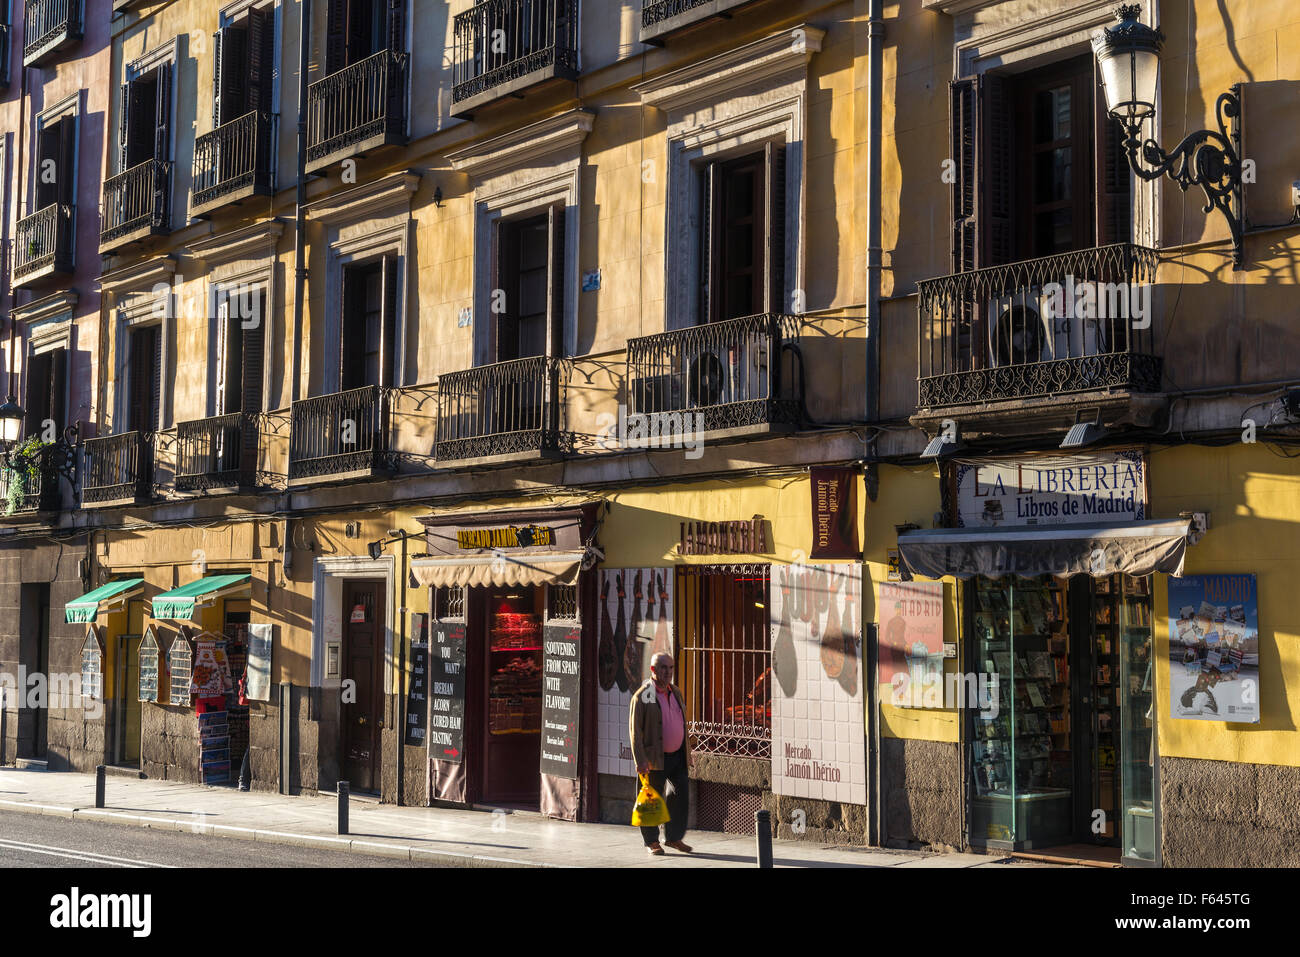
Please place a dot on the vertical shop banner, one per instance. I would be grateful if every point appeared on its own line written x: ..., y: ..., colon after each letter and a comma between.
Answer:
x: 1214, y: 648
x: 211, y: 674
x: 911, y: 644
x: 834, y: 517
x: 417, y: 713
x: 634, y: 623
x: 561, y: 674
x: 260, y: 637
x: 818, y: 744
x: 446, y: 730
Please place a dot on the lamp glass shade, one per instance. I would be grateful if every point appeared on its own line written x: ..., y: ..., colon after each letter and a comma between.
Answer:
x: 1129, y: 77
x: 11, y: 420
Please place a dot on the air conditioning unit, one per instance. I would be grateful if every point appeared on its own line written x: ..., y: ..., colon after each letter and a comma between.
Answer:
x: 1031, y: 326
x: 706, y: 379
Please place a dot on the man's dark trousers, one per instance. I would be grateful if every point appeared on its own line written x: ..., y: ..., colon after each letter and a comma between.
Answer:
x: 677, y: 797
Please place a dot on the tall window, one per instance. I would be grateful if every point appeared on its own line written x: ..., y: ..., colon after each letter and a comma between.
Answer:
x: 742, y: 235
x: 243, y: 67
x: 240, y: 353
x: 144, y: 131
x: 357, y: 29
x: 145, y: 378
x: 55, y: 175
x: 530, y: 276
x: 724, y: 659
x: 369, y: 344
x: 47, y: 391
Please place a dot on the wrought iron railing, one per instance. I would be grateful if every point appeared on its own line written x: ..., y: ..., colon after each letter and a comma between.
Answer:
x: 46, y: 22
x: 358, y: 103
x: 503, y: 409
x: 731, y: 373
x: 218, y: 452
x: 1072, y: 322
x: 236, y: 155
x: 502, y: 40
x: 657, y: 11
x: 29, y: 486
x: 344, y: 432
x: 117, y: 468
x: 43, y: 239
x: 138, y: 198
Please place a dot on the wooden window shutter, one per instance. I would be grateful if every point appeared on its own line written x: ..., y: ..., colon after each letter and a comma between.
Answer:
x: 775, y: 208
x: 710, y: 244
x: 388, y: 323
x: 396, y: 25
x: 58, y: 406
x: 217, y: 71
x: 964, y: 98
x: 353, y: 340
x: 996, y: 171
x: 223, y: 357
x: 155, y: 373
x: 123, y: 127
x: 261, y: 61
x: 507, y: 280
x: 1114, y: 181
x: 163, y: 114
x: 233, y: 56
x: 67, y: 160
x: 141, y: 126
x: 254, y: 358
x: 48, y: 147
x: 555, y: 273
x: 38, y: 378
x: 336, y: 36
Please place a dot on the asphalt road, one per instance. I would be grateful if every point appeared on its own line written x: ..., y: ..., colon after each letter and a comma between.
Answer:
x: 37, y: 840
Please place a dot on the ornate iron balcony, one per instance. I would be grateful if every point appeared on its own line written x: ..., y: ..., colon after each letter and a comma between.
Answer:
x: 359, y: 108
x: 117, y: 469
x: 232, y: 162
x: 341, y: 435
x: 49, y: 26
x: 218, y: 452
x: 729, y: 372
x: 43, y: 242
x: 30, y: 487
x: 503, y: 46
x: 659, y: 17
x: 1074, y: 322
x: 136, y: 203
x: 504, y: 409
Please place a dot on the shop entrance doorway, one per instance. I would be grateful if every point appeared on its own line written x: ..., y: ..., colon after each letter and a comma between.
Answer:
x: 1066, y: 757
x: 34, y: 649
x: 362, y: 674
x: 512, y: 734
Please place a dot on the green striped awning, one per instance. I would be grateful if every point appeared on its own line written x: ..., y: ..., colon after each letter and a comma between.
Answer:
x: 87, y: 607
x: 179, y: 603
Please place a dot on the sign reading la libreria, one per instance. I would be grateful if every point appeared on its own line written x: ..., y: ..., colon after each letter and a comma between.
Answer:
x: 1052, y: 489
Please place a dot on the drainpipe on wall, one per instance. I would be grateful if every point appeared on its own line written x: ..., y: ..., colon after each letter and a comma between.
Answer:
x: 875, y: 56
x: 300, y: 218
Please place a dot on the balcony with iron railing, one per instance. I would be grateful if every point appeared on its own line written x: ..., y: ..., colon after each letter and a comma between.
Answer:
x: 1076, y: 325
x: 503, y: 411
x: 660, y: 18
x: 137, y: 204
x: 731, y: 378
x: 117, y: 470
x: 338, y: 437
x: 48, y: 27
x: 232, y: 163
x: 43, y: 244
x: 29, y: 485
x: 218, y: 453
x: 503, y: 47
x: 357, y: 109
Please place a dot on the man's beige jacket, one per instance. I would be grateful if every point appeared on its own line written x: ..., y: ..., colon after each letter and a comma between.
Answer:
x: 646, y: 726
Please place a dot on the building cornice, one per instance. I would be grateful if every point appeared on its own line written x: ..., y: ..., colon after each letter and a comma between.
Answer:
x: 51, y: 307
x: 237, y: 244
x: 381, y: 196
x: 524, y: 147
x: 139, y: 275
x: 743, y: 67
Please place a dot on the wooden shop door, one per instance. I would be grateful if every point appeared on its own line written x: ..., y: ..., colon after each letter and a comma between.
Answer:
x: 363, y: 656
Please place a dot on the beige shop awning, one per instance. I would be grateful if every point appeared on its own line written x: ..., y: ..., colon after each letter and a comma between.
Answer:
x: 1133, y: 548
x: 550, y: 568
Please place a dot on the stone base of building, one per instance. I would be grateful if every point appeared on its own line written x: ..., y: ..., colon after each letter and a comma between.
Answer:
x: 1228, y: 814
x: 923, y: 794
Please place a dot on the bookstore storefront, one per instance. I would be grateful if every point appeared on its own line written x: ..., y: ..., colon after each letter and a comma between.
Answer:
x: 512, y: 659
x: 1058, y: 616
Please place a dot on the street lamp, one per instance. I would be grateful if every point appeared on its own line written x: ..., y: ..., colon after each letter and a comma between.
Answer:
x: 1129, y: 57
x: 11, y: 420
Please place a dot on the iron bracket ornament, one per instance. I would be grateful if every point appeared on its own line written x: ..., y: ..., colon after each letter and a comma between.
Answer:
x: 1209, y: 159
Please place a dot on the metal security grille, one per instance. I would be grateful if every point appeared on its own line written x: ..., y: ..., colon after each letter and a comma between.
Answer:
x: 726, y: 807
x: 562, y: 602
x: 448, y: 603
x: 725, y: 657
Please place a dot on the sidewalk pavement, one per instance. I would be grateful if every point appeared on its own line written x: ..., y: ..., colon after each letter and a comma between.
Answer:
x: 441, y: 836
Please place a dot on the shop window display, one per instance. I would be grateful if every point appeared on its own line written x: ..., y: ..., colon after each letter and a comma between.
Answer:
x: 514, y: 694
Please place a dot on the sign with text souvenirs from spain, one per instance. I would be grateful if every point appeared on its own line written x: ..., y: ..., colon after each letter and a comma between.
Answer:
x: 562, y: 648
x: 1051, y: 489
x: 815, y: 701
x: 259, y: 661
x: 446, y: 730
x: 417, y: 714
x: 1213, y: 648
x: 834, y: 517
x: 911, y: 644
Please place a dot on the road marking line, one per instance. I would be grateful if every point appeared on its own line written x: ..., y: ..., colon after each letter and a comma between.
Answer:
x: 77, y: 853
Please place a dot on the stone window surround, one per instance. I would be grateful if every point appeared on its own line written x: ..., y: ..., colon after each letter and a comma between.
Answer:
x: 1028, y: 42
x: 243, y: 258
x: 136, y: 304
x: 363, y: 224
x: 518, y: 174
x: 727, y: 106
x: 51, y: 325
x: 67, y: 108
x: 328, y: 574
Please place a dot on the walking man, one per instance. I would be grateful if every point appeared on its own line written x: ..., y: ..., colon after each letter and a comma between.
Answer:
x: 657, y: 724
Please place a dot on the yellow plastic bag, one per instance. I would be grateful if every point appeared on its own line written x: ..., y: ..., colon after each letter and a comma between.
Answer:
x: 650, y: 810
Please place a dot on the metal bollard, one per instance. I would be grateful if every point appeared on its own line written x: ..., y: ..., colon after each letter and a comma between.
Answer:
x: 344, y: 788
x: 100, y: 774
x: 763, y: 835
